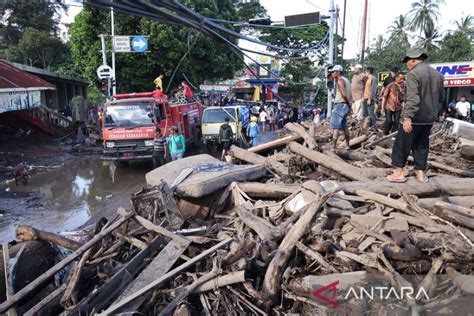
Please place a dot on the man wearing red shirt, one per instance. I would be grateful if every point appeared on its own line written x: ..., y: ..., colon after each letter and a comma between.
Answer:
x: 187, y: 90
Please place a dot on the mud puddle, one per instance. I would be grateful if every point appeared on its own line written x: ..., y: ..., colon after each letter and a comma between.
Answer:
x: 66, y: 198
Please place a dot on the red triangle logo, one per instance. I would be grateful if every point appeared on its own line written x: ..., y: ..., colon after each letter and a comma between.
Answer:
x: 319, y: 294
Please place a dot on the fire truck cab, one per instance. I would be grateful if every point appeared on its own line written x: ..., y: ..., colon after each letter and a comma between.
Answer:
x: 130, y: 121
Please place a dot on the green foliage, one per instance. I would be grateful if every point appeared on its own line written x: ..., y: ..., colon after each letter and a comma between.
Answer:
x: 455, y: 46
x: 18, y: 15
x: 299, y: 70
x: 167, y: 44
x: 95, y: 95
x: 36, y: 48
x: 250, y: 10
x: 398, y: 30
x: 383, y: 56
x: 424, y: 14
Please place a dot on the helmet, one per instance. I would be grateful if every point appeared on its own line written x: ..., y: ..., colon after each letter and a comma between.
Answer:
x: 254, y: 119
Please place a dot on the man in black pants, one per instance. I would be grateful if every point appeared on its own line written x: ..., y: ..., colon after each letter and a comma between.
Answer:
x: 424, y: 93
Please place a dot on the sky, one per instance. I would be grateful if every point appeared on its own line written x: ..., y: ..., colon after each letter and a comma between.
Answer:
x: 382, y: 13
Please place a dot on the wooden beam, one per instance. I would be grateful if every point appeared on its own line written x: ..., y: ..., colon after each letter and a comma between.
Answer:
x: 17, y: 297
x: 256, y: 159
x: 275, y: 143
x: 165, y: 277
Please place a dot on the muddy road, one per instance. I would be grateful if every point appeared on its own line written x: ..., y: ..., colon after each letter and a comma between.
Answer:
x: 76, y: 194
x: 68, y: 197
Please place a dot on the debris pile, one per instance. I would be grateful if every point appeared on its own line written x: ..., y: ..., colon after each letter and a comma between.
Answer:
x: 206, y: 237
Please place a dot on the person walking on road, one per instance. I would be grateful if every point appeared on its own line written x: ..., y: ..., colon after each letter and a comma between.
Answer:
x: 342, y: 102
x: 424, y: 94
x: 262, y: 119
x: 392, y: 104
x: 369, y: 99
x: 253, y: 131
x: 159, y: 149
x: 357, y: 90
x: 226, y: 135
x: 176, y: 144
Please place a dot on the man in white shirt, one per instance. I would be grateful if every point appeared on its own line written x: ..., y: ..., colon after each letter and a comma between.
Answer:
x: 262, y: 118
x: 463, y: 108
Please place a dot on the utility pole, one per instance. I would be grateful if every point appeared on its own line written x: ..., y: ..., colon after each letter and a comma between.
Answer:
x: 331, y: 51
x: 114, y: 77
x: 343, y: 29
x: 336, y: 33
x: 364, y: 31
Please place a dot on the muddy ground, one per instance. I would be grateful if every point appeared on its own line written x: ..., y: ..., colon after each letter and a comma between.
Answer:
x: 78, y: 191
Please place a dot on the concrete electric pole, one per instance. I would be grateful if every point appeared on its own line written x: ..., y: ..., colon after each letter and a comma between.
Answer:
x: 332, y: 12
x: 114, y: 76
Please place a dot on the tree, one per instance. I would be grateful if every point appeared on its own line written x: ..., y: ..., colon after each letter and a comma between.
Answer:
x: 424, y: 14
x: 36, y: 48
x: 301, y: 70
x: 250, y: 10
x: 204, y: 58
x: 455, y: 46
x: 430, y: 39
x: 387, y: 56
x: 465, y: 26
x: 398, y: 30
x: 18, y: 15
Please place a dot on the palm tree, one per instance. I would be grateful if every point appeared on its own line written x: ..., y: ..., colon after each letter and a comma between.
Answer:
x: 430, y: 39
x: 465, y: 25
x: 398, y: 30
x: 424, y: 14
x: 379, y: 43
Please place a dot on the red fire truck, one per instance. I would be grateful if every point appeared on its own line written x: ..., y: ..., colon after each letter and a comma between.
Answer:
x: 130, y: 121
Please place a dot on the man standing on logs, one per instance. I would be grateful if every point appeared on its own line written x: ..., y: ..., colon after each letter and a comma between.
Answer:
x: 424, y: 93
x: 342, y: 103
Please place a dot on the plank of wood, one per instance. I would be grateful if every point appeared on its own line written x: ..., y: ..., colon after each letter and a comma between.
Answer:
x: 8, y: 289
x: 111, y: 289
x: 440, y: 185
x: 275, y: 143
x: 256, y: 159
x: 17, y: 297
x: 45, y: 301
x: 343, y: 168
x: 268, y: 190
x: 315, y: 256
x: 300, y: 130
x: 155, y: 269
x: 170, y: 274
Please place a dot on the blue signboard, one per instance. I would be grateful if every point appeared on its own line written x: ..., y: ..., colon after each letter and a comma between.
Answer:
x: 139, y: 44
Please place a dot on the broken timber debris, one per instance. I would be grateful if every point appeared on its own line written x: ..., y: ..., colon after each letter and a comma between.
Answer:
x: 259, y: 244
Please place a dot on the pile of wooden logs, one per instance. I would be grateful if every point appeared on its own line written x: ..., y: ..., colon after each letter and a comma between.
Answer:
x: 265, y: 248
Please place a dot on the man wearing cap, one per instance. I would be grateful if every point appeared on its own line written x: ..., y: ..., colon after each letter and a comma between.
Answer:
x: 424, y: 93
x: 358, y: 84
x: 342, y: 101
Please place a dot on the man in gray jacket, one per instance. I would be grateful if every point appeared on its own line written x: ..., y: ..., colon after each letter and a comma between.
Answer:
x: 424, y: 93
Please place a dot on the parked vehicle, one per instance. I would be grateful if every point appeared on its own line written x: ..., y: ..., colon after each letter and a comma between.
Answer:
x: 214, y: 116
x: 131, y: 120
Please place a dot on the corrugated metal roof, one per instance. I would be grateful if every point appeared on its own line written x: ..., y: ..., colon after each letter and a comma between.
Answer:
x: 14, y: 78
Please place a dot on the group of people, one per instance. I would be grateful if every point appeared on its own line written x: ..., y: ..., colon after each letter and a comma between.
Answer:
x: 411, y: 108
x: 183, y: 90
x: 174, y: 145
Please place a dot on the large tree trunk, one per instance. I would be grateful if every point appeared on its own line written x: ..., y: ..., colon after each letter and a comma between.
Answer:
x: 272, y: 280
x: 355, y: 141
x: 466, y: 201
x: 255, y: 159
x: 300, y: 130
x: 442, y: 185
x: 27, y: 233
x: 343, y: 168
x: 268, y: 190
x: 275, y: 143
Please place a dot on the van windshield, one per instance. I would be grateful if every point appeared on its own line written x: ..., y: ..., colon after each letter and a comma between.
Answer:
x: 219, y: 115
